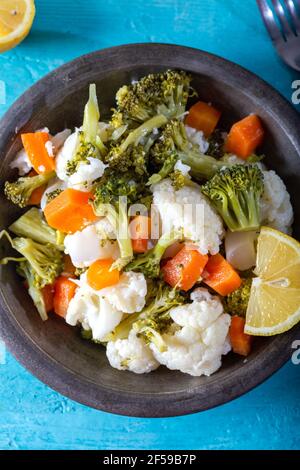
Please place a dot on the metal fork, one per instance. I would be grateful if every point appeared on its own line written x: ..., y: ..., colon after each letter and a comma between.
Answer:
x: 285, y: 32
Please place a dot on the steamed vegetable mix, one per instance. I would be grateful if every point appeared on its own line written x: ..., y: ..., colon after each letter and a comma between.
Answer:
x: 149, y: 229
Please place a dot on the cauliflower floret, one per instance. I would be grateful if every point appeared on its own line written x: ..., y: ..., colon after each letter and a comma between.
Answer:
x: 276, y: 208
x: 183, y: 168
x: 93, y: 311
x: 197, y: 138
x: 187, y: 208
x: 86, y: 172
x: 200, y: 337
x: 21, y: 162
x: 54, y: 185
x: 131, y: 354
x: 129, y: 294
x: 101, y: 311
x: 87, y: 246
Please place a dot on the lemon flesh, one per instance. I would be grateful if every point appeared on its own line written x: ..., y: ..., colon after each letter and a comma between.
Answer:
x: 274, y: 304
x: 16, y: 18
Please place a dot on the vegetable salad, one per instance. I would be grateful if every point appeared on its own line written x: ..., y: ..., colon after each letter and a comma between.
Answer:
x: 143, y: 229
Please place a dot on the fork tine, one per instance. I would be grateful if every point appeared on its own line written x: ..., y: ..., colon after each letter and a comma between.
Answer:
x: 287, y: 30
x: 293, y: 12
x: 269, y: 20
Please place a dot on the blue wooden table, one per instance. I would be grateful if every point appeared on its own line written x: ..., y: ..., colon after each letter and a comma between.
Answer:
x: 31, y: 415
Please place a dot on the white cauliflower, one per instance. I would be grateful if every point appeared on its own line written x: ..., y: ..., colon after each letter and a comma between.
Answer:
x: 182, y: 167
x: 198, y: 340
x: 86, y: 172
x: 21, y: 162
x: 197, y: 138
x: 131, y: 354
x: 187, y: 208
x: 276, y: 208
x: 53, y: 185
x: 129, y: 294
x: 101, y: 311
x: 93, y: 311
x: 87, y: 246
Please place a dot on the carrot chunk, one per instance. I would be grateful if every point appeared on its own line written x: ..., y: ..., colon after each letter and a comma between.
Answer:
x: 70, y: 211
x: 245, y: 136
x: 99, y: 274
x: 184, y: 269
x: 34, y: 145
x: 241, y: 342
x: 203, y: 117
x: 140, y: 228
x: 220, y: 275
x: 64, y: 291
x: 48, y: 296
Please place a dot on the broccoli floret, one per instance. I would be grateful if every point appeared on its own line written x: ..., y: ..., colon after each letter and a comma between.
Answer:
x: 236, y: 303
x: 132, y: 151
x: 33, y: 225
x: 20, y: 191
x: 155, y: 313
x: 173, y: 145
x: 25, y: 270
x: 166, y: 170
x: 45, y: 260
x: 178, y: 179
x: 235, y: 193
x: 149, y: 263
x: 162, y: 93
x: 89, y: 143
x: 111, y: 197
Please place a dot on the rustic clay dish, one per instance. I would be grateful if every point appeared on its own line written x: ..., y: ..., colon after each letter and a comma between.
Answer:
x: 53, y: 351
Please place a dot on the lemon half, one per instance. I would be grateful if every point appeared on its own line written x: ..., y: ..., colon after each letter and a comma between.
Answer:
x: 274, y: 304
x: 16, y: 18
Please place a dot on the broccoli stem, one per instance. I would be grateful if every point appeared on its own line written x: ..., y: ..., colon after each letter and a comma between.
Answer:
x: 202, y: 166
x: 143, y: 130
x: 91, y: 116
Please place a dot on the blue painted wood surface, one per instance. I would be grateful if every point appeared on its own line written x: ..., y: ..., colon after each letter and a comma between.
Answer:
x: 31, y: 415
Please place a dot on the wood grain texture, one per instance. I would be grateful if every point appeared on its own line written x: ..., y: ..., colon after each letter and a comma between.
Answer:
x: 31, y: 415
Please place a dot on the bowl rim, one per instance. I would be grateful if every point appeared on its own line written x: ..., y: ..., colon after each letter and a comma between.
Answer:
x: 78, y: 388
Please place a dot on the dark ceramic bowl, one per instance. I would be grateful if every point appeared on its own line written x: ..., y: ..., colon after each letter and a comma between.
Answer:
x: 53, y: 351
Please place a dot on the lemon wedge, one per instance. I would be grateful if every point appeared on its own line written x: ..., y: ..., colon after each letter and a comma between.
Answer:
x: 274, y: 304
x: 16, y: 18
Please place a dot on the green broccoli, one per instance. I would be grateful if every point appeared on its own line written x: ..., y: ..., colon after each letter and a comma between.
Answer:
x: 154, y: 315
x: 149, y: 263
x: 132, y: 151
x: 32, y: 224
x: 45, y: 260
x: 236, y: 303
x: 21, y: 190
x: 161, y: 93
x: 111, y: 197
x: 89, y: 143
x: 53, y: 194
x: 173, y: 145
x: 235, y: 192
x: 25, y: 270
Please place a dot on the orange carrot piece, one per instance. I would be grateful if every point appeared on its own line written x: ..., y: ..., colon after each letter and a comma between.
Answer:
x: 99, y: 274
x: 37, y: 194
x: 140, y: 229
x: 203, y: 117
x: 69, y: 268
x: 64, y: 291
x: 184, y: 269
x: 241, y: 342
x: 70, y: 211
x: 34, y: 145
x: 245, y: 136
x: 48, y: 296
x: 220, y: 275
